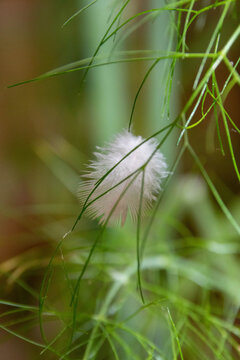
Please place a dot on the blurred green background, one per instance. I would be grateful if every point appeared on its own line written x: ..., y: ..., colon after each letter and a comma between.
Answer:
x: 49, y: 130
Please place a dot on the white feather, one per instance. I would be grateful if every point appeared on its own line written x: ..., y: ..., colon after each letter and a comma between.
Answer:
x: 105, y: 159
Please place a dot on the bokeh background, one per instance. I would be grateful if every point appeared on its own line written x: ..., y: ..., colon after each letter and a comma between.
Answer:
x: 50, y: 128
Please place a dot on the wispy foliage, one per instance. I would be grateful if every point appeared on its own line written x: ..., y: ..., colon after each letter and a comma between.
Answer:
x: 185, y: 260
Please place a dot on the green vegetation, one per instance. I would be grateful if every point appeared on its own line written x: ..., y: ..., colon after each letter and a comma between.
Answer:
x: 166, y: 287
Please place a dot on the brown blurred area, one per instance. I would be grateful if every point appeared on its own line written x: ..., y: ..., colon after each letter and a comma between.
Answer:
x: 31, y: 42
x: 203, y: 138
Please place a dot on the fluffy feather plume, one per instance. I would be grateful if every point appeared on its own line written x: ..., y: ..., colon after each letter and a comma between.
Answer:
x: 124, y: 196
